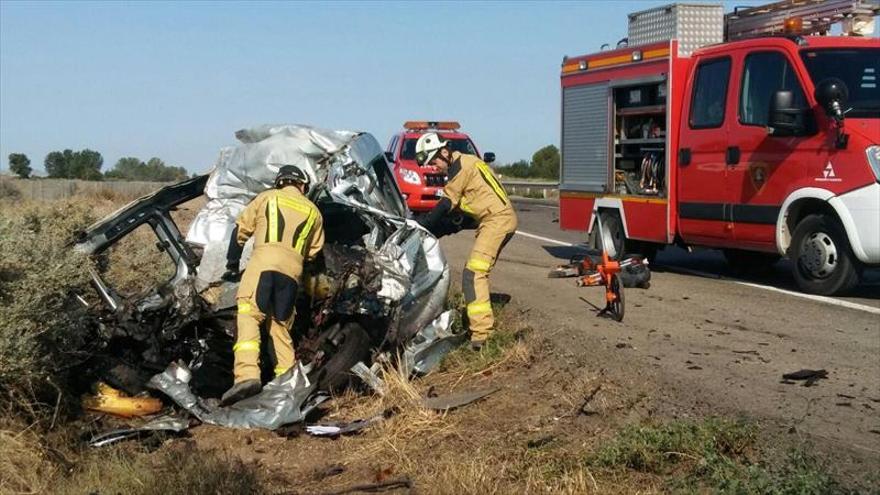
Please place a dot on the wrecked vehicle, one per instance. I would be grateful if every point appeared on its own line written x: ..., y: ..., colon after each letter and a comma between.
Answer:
x: 378, y: 292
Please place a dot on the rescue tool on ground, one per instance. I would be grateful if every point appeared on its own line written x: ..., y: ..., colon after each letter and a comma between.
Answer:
x: 608, y: 273
x: 754, y: 133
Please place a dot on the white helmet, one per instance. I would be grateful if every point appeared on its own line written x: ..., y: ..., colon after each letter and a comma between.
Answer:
x: 427, y: 146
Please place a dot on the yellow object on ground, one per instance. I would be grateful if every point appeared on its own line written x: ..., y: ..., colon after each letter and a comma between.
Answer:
x: 111, y: 401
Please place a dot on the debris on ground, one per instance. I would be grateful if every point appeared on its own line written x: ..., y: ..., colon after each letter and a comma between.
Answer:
x: 166, y: 423
x: 398, y: 484
x: 458, y: 399
x: 809, y: 377
x: 340, y: 428
x: 109, y: 400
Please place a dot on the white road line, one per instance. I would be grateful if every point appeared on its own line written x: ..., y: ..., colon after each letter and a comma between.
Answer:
x: 532, y: 205
x: 824, y: 299
x: 545, y: 239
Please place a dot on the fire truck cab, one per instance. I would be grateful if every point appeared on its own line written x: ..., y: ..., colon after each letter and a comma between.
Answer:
x: 728, y: 132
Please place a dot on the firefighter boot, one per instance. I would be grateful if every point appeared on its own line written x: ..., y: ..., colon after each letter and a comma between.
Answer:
x: 241, y: 391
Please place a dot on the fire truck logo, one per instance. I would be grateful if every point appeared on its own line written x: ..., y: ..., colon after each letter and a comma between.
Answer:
x: 828, y: 174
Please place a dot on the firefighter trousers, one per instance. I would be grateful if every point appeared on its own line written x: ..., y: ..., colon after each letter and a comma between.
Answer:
x: 263, y: 294
x: 493, y: 234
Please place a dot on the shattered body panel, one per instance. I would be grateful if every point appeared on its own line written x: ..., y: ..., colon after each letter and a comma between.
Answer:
x: 379, y: 288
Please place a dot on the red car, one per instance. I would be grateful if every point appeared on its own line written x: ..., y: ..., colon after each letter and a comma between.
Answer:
x: 422, y: 187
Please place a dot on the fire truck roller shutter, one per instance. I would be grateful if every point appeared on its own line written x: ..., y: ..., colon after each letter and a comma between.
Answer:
x: 585, y: 137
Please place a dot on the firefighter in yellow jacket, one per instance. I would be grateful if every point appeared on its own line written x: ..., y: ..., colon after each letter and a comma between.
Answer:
x: 474, y: 189
x: 287, y: 230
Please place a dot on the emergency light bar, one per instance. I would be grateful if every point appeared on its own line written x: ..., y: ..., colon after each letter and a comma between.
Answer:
x: 422, y: 125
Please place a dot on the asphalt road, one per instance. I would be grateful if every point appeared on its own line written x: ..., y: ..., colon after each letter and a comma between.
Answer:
x: 708, y: 342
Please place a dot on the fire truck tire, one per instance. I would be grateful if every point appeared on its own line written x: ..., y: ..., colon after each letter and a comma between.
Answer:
x: 615, y: 236
x: 822, y: 260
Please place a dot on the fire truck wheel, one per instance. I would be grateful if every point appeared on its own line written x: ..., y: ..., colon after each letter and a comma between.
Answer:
x: 822, y: 260
x: 614, y: 236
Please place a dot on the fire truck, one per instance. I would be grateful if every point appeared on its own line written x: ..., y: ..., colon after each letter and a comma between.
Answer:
x: 755, y: 132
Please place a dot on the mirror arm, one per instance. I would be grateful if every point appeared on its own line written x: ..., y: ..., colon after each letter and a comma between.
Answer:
x: 842, y: 139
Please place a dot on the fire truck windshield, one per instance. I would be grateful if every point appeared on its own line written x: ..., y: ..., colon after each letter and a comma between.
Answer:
x: 460, y: 144
x: 859, y: 69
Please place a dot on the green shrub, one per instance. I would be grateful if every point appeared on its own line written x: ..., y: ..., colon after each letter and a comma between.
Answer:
x: 42, y: 326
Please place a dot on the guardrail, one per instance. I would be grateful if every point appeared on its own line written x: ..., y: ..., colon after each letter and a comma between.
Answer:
x: 532, y: 189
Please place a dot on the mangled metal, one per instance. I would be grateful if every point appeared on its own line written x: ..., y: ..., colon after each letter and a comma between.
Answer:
x: 168, y: 423
x: 284, y: 400
x: 379, y: 291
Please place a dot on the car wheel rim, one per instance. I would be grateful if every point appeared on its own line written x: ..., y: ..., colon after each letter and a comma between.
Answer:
x: 818, y: 255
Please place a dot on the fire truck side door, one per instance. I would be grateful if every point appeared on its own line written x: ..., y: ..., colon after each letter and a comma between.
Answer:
x: 768, y: 165
x: 702, y: 196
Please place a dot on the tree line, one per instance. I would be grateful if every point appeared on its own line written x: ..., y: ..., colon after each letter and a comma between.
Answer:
x: 86, y: 165
x: 544, y: 165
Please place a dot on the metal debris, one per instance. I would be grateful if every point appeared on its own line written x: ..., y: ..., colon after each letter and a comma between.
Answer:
x: 370, y: 376
x: 452, y: 401
x: 286, y: 399
x: 163, y: 423
x: 809, y: 377
x: 341, y: 428
x: 426, y: 349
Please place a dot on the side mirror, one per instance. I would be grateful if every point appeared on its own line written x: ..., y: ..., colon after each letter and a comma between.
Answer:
x: 389, y: 156
x: 488, y: 157
x: 785, y: 119
x: 832, y: 94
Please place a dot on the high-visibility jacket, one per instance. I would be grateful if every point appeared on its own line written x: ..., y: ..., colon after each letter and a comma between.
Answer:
x: 287, y: 230
x: 474, y: 189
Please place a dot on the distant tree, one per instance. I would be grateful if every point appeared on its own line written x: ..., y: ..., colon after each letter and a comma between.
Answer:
x: 545, y: 163
x: 518, y: 169
x: 126, y: 168
x: 68, y: 164
x: 86, y: 165
x: 131, y: 168
x: 57, y: 163
x: 20, y: 165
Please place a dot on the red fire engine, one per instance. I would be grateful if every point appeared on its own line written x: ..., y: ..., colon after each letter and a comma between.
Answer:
x: 753, y: 132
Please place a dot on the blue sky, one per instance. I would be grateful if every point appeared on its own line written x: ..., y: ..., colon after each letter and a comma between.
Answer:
x: 176, y: 80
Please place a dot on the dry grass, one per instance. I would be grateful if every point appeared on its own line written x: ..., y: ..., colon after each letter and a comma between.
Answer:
x: 53, y: 462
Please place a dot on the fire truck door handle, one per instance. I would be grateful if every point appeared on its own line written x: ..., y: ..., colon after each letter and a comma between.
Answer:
x: 732, y: 155
x: 684, y: 156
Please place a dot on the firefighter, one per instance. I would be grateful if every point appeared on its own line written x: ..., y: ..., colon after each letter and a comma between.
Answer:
x: 287, y: 230
x: 473, y: 189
